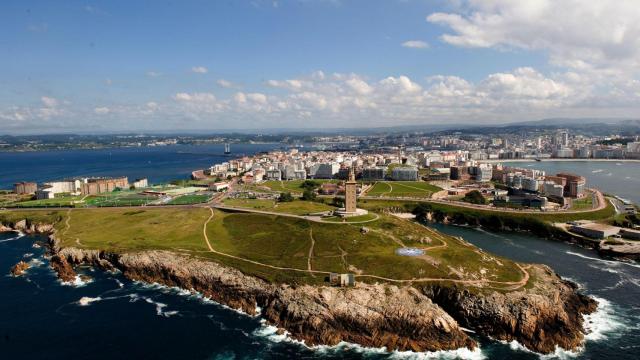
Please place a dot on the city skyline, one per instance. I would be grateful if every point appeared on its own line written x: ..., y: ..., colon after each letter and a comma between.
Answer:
x: 104, y: 67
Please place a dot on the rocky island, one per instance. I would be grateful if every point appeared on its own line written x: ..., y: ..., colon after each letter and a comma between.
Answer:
x: 278, y: 267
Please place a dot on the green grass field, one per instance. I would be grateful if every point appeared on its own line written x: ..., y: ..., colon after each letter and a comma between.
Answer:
x: 583, y: 203
x: 293, y: 186
x: 190, y: 199
x: 277, y: 241
x: 419, y: 189
x: 296, y: 207
x: 379, y: 205
x: 62, y: 201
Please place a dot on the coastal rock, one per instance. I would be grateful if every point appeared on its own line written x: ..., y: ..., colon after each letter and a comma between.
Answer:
x: 369, y: 315
x: 19, y: 268
x: 544, y: 315
x: 63, y: 268
x: 547, y: 315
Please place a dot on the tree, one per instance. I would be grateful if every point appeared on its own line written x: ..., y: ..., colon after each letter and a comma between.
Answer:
x: 285, y: 197
x: 337, y: 202
x: 308, y: 195
x: 474, y: 197
x: 309, y: 185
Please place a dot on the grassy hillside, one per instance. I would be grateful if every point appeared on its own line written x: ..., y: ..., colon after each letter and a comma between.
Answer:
x: 256, y: 243
x: 419, y: 189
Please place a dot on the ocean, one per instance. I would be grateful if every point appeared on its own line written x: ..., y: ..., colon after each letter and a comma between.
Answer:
x: 110, y: 317
x: 615, y: 177
x: 158, y: 164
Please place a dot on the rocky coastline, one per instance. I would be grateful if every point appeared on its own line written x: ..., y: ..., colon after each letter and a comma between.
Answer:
x: 417, y: 318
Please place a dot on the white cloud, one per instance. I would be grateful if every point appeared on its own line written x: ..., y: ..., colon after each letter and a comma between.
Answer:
x: 103, y: 110
x: 49, y: 102
x: 199, y: 70
x: 153, y: 74
x: 415, y: 44
x: 600, y: 34
x: 224, y: 83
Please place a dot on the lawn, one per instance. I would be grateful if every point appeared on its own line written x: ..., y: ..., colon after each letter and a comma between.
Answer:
x: 61, y: 201
x: 450, y: 209
x: 296, y: 207
x: 190, y: 199
x: 584, y: 203
x: 119, y: 199
x: 293, y: 186
x: 351, y: 219
x: 277, y: 241
x: 419, y: 189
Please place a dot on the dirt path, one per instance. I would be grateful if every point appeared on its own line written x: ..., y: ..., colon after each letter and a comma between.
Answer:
x: 512, y: 285
x: 303, y: 217
x: 313, y: 244
x: 211, y: 249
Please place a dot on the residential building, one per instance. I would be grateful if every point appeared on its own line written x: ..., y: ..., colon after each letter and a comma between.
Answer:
x: 23, y: 188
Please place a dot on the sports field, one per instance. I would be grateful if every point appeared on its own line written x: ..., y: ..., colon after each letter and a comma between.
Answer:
x: 419, y: 189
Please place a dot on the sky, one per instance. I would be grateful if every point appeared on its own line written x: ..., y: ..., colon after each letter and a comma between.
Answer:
x: 131, y: 65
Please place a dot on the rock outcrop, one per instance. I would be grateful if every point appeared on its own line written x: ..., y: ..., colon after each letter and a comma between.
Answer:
x: 62, y: 267
x: 547, y: 315
x: 370, y: 315
x: 19, y: 268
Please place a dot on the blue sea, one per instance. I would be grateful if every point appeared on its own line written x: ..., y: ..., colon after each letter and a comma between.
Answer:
x: 621, y: 178
x: 158, y: 164
x: 110, y: 317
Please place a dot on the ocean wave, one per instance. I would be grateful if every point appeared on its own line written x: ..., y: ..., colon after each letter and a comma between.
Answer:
x: 604, y: 261
x: 86, y: 301
x: 597, y: 171
x: 27, y: 255
x: 20, y: 235
x: 191, y: 293
x: 604, y: 322
x: 35, y: 262
x: 558, y: 353
x: 77, y: 282
x: 270, y: 332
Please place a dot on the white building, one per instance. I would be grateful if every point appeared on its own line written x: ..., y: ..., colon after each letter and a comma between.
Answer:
x: 550, y: 188
x: 140, y: 183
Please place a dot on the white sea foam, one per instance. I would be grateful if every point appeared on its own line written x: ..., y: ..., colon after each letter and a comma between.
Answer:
x: 77, y: 282
x: 36, y: 246
x: 27, y: 255
x: 603, y: 323
x: 86, y: 301
x: 35, y: 262
x: 597, y: 171
x: 20, y: 235
x: 271, y: 333
x: 558, y: 353
x: 604, y: 261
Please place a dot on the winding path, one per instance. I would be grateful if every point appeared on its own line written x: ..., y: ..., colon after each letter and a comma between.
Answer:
x: 512, y: 285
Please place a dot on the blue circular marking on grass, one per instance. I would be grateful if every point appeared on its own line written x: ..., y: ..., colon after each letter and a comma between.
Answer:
x: 408, y: 251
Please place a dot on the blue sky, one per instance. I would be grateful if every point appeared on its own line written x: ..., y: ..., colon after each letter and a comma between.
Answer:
x: 190, y: 64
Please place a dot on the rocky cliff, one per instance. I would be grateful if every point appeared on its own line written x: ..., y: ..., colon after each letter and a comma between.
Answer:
x: 545, y: 314
x: 370, y: 315
x: 540, y: 317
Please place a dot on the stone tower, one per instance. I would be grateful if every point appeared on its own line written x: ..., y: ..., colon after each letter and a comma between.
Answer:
x: 350, y: 192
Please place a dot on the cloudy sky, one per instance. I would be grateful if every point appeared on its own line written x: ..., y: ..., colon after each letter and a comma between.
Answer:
x: 209, y: 65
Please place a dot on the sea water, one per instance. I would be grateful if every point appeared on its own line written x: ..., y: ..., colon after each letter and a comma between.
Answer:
x: 109, y: 316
